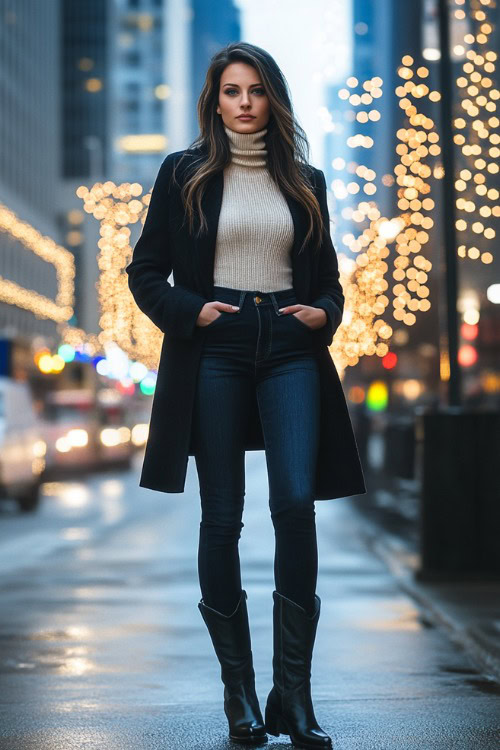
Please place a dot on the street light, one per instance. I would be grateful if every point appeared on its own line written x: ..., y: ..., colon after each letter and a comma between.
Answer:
x: 450, y: 244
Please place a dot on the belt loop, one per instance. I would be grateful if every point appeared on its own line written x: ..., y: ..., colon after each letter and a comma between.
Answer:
x: 275, y: 304
x: 242, y: 297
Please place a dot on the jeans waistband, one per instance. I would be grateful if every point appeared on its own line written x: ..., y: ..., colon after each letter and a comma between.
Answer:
x: 237, y: 296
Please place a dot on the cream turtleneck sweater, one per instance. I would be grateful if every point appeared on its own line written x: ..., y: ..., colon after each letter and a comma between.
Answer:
x: 255, y: 232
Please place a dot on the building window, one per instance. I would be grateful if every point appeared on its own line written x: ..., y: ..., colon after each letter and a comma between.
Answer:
x: 132, y: 105
x: 132, y: 58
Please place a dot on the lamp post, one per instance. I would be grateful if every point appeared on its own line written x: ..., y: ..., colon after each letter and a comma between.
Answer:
x: 449, y: 213
x: 458, y: 448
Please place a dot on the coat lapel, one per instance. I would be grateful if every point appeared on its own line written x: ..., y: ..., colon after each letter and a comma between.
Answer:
x: 300, y: 265
x: 205, y: 245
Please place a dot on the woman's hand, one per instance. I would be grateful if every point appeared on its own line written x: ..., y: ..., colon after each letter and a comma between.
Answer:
x: 211, y: 311
x: 314, y: 317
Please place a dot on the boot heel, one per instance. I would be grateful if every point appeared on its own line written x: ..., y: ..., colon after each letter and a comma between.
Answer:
x: 230, y: 636
x: 275, y: 724
x: 290, y: 704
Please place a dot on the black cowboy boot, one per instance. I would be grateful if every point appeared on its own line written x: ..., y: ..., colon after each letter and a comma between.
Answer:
x: 230, y: 636
x: 289, y: 708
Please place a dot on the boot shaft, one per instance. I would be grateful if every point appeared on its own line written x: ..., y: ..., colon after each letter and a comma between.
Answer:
x: 230, y: 635
x: 294, y: 634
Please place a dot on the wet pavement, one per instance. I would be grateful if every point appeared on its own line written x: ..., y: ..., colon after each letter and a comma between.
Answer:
x: 102, y: 644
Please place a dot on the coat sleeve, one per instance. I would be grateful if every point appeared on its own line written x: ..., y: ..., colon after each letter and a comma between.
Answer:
x: 330, y: 296
x: 172, y: 308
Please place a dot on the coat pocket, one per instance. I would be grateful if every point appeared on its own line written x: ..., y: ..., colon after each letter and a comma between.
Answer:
x: 216, y: 320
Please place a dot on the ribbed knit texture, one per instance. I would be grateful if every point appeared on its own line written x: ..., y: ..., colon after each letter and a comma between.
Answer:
x: 255, y: 232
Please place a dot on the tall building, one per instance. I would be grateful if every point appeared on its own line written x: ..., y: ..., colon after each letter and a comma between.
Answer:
x: 383, y: 33
x: 364, y: 150
x: 85, y: 89
x: 29, y: 163
x: 213, y: 26
x: 196, y: 29
x: 139, y: 89
x: 83, y: 47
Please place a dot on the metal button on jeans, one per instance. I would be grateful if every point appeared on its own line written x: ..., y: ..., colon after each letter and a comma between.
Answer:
x: 258, y: 299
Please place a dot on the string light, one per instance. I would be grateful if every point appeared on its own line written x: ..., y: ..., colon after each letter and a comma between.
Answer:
x: 479, y: 151
x: 418, y: 143
x: 364, y: 285
x: 117, y: 207
x: 58, y: 310
x: 362, y: 279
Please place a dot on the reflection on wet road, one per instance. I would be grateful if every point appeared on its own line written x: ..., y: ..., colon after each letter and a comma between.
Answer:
x: 102, y: 644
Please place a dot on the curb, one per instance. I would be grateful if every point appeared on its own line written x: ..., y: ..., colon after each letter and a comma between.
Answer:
x: 481, y: 647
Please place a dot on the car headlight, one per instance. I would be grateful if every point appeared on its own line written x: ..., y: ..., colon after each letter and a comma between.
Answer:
x: 39, y: 448
x: 140, y: 434
x: 63, y: 445
x: 78, y: 438
x: 110, y: 437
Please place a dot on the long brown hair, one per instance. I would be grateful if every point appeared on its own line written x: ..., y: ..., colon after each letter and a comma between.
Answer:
x: 286, y: 142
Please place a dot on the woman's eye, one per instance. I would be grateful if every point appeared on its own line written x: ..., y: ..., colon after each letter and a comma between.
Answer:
x: 259, y: 91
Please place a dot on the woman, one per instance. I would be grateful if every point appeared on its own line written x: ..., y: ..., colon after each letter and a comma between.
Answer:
x: 241, y: 219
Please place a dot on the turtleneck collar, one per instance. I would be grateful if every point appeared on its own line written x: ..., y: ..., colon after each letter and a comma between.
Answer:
x: 247, y: 149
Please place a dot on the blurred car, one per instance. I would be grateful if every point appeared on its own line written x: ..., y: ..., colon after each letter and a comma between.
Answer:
x: 85, y: 431
x: 22, y: 448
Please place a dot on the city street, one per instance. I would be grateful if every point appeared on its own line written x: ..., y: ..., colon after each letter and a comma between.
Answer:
x: 329, y: 170
x: 102, y: 644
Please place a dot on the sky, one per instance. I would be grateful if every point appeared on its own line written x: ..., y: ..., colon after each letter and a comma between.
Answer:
x: 310, y: 42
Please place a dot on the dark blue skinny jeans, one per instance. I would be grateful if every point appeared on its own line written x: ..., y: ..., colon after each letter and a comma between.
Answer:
x: 260, y: 352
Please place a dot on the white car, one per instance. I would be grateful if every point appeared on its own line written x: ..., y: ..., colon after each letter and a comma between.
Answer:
x: 22, y: 448
x: 85, y: 431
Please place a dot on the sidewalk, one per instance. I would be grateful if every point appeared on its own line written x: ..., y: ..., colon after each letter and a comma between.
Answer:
x: 469, y: 611
x: 102, y: 644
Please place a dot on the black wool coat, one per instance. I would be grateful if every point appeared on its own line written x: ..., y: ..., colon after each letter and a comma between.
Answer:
x: 166, y: 246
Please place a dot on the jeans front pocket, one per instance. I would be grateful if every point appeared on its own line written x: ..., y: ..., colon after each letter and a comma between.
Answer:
x: 300, y: 322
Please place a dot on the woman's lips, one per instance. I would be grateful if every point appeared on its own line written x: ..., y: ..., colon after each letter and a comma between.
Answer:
x: 246, y: 117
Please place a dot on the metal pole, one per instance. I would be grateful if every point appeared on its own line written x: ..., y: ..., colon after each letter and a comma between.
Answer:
x: 449, y: 214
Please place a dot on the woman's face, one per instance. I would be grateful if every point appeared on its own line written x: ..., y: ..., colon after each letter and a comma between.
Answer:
x: 241, y: 92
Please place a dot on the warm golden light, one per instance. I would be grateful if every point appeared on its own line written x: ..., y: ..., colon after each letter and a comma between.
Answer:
x: 478, y: 95
x: 60, y: 309
x: 140, y: 434
x: 146, y: 143
x: 162, y: 91
x: 78, y: 438
x: 110, y: 437
x: 93, y: 85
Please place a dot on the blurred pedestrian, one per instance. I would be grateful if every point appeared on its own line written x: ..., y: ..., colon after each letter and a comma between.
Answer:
x: 241, y: 219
